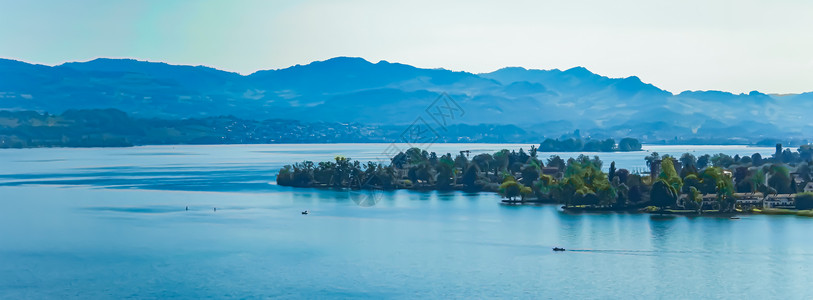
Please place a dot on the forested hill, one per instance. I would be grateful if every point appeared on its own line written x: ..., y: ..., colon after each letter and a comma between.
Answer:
x: 114, y: 128
x: 353, y: 90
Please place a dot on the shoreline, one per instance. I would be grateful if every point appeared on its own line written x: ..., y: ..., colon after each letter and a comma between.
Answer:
x: 598, y: 210
x: 711, y: 185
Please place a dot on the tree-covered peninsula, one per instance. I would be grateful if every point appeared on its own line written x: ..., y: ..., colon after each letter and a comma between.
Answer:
x: 685, y: 184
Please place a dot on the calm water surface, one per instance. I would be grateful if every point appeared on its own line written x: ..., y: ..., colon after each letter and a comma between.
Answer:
x: 111, y: 223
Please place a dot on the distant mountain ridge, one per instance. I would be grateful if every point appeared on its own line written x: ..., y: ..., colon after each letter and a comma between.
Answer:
x: 347, y: 89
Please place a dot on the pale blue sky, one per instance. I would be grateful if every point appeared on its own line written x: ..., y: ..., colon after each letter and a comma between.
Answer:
x: 735, y: 46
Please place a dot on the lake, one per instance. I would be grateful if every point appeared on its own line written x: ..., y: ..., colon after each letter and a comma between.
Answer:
x: 113, y: 223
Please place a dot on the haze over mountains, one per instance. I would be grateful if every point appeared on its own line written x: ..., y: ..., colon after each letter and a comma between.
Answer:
x: 546, y: 103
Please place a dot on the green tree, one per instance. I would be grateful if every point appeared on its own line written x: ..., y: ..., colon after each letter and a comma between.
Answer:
x: 461, y: 161
x: 556, y: 162
x: 722, y: 160
x: 446, y: 176
x: 805, y: 171
x: 606, y: 194
x: 607, y: 145
x: 572, y: 145
x: 703, y: 161
x: 622, y: 175
x: 758, y: 182
x: 415, y: 155
x: 652, y: 158
x: 584, y: 196
x: 285, y: 176
x: 586, y: 183
x: 425, y: 173
x: 549, y: 145
x: 592, y: 146
x: 629, y: 144
x: 691, y: 181
x: 529, y: 173
x: 804, y: 201
x: 611, y: 174
x: 779, y: 179
x: 525, y: 191
x: 709, y: 179
x: 725, y: 194
x: 510, y: 189
x: 756, y: 159
x: 696, y: 198
x: 484, y: 161
x: 622, y: 195
x: 687, y: 159
x: 501, y: 159
x: 806, y: 153
x: 545, y: 185
x: 742, y: 180
x: 533, y: 151
x: 669, y: 175
x: 470, y: 177
x: 663, y: 195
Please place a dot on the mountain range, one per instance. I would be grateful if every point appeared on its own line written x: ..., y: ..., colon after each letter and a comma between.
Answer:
x: 547, y: 103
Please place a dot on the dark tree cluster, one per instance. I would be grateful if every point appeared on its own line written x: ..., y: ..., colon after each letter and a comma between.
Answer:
x: 577, y: 145
x: 419, y: 169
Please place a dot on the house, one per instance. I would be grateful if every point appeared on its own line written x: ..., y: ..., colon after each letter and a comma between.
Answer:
x: 552, y: 171
x: 780, y: 200
x: 749, y: 199
x: 797, y: 178
x: 809, y: 187
x: 709, y: 201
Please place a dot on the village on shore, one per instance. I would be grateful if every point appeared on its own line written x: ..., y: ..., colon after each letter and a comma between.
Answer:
x: 689, y: 185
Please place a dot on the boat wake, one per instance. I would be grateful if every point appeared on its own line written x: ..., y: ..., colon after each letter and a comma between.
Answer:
x: 638, y: 252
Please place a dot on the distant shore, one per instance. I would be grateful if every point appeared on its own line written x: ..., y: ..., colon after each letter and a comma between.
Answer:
x: 114, y: 128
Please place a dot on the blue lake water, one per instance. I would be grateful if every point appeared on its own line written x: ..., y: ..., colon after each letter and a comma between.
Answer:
x: 112, y: 223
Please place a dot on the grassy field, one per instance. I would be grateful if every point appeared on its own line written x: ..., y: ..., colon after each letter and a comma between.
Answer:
x: 782, y: 211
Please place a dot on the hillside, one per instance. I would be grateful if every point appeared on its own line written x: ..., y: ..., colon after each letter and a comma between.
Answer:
x: 353, y: 90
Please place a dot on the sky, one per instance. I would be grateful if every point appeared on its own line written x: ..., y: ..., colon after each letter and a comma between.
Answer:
x: 736, y: 46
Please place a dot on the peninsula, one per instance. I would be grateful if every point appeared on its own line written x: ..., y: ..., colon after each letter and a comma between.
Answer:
x: 687, y: 184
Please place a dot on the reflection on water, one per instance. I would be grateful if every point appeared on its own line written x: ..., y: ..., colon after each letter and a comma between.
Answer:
x: 138, y: 210
x: 113, y: 223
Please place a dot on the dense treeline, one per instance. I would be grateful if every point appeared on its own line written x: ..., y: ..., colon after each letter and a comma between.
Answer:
x: 577, y: 145
x: 686, y: 182
x: 419, y: 169
x: 73, y: 128
x: 114, y: 128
